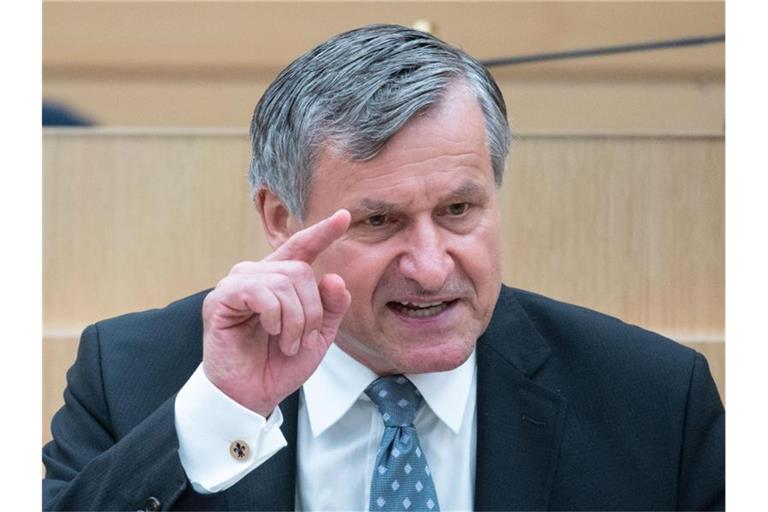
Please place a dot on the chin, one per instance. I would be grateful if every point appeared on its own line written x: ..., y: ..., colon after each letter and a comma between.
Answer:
x: 384, y: 359
x: 438, y: 358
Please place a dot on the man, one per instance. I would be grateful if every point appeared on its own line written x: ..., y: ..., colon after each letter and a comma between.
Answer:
x: 374, y: 360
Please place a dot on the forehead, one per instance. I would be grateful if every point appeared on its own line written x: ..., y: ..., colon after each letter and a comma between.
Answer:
x: 436, y: 154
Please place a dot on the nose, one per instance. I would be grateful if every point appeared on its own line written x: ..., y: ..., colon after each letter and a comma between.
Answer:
x: 425, y: 259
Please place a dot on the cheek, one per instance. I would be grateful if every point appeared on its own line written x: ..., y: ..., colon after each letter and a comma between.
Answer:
x: 360, y: 265
x: 482, y: 246
x: 479, y: 256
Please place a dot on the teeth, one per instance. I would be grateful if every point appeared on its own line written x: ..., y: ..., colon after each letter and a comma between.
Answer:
x: 423, y: 310
x: 421, y: 304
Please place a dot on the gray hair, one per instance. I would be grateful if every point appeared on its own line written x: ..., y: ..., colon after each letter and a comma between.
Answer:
x: 353, y: 93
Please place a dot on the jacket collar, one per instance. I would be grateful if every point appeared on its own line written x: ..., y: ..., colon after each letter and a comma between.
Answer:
x: 519, y: 422
x: 513, y: 337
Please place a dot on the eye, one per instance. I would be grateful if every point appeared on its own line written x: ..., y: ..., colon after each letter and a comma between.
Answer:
x: 458, y: 208
x: 377, y: 220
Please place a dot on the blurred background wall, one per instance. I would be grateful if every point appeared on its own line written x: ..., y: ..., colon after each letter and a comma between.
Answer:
x: 613, y: 197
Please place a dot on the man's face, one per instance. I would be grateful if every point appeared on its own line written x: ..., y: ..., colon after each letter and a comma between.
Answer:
x: 422, y: 256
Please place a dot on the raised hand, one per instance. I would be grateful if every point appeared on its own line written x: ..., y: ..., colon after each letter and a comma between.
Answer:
x: 268, y: 324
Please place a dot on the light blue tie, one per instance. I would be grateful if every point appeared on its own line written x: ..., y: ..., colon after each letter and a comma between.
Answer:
x: 401, y: 477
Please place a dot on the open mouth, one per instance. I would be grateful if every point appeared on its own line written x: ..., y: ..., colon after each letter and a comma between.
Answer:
x: 421, y: 309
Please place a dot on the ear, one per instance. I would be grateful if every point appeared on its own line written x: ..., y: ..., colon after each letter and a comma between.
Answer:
x: 278, y: 223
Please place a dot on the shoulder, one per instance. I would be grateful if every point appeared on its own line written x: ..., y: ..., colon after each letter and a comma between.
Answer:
x: 149, y: 337
x: 177, y: 319
x: 567, y: 324
x: 145, y: 357
x: 591, y: 347
x: 642, y: 411
x: 613, y: 372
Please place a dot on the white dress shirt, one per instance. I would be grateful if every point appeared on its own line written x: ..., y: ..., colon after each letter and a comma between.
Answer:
x: 339, y: 431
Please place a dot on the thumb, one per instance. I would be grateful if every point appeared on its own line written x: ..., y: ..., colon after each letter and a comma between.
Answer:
x: 336, y: 300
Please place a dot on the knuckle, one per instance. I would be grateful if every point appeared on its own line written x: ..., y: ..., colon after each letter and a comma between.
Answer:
x: 251, y: 287
x: 214, y: 298
x: 270, y: 305
x: 305, y: 270
x: 208, y: 306
x: 282, y: 283
x: 294, y: 316
x: 244, y: 297
x: 297, y: 268
x: 315, y: 318
x: 240, y: 268
x: 213, y: 306
x: 295, y: 329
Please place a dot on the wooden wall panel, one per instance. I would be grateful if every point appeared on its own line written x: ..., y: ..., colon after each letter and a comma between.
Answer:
x: 131, y: 221
x: 241, y: 37
x: 207, y: 63
x: 534, y: 106
x: 632, y: 226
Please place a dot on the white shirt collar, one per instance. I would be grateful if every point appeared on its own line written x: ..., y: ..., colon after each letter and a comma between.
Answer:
x: 447, y: 393
x: 340, y: 380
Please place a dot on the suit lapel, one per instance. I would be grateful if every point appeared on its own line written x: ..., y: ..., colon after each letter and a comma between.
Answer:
x: 272, y: 486
x: 519, y: 422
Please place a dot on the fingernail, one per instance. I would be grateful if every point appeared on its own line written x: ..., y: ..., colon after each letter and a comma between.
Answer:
x: 295, y: 347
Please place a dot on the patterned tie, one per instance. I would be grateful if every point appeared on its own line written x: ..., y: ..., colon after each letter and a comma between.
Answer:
x: 401, y: 476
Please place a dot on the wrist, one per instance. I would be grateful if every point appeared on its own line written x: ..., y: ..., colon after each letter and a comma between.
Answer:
x: 241, y: 393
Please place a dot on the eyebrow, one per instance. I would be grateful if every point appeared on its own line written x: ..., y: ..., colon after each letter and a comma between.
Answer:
x: 368, y: 206
x: 468, y: 188
x: 374, y: 205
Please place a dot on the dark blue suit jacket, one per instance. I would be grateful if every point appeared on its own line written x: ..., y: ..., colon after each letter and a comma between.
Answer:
x: 575, y: 411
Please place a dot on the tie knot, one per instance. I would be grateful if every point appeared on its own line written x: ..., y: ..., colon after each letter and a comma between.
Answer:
x: 397, y: 399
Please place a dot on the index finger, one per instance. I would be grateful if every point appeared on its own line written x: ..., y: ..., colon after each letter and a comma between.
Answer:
x: 306, y: 244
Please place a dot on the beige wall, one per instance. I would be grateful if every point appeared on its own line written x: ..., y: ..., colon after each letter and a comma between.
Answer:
x: 207, y: 63
x: 251, y: 36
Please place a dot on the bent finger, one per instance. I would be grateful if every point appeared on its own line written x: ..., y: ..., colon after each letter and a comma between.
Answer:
x: 306, y: 244
x: 336, y: 300
x: 291, y: 312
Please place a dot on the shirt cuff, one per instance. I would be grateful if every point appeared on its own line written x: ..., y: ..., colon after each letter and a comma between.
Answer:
x: 207, y: 422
